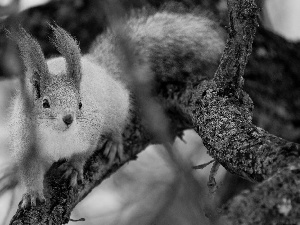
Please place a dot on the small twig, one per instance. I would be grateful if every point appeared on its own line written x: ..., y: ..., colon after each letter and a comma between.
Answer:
x: 79, y: 220
x: 212, y: 184
x: 202, y: 166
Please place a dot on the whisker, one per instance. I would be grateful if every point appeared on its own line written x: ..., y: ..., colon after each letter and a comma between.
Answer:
x: 47, y: 118
x: 82, y: 118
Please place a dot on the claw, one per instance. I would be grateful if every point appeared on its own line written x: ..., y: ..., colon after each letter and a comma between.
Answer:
x: 107, y: 148
x: 113, y: 150
x: 121, y: 152
x: 73, y: 178
x: 112, y: 153
x: 72, y: 171
x: 31, y: 198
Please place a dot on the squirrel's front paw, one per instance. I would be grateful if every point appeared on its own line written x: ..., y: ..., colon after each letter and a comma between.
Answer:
x: 73, y: 170
x: 31, y: 198
x: 113, y: 149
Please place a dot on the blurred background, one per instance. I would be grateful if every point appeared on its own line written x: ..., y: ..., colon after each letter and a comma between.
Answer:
x: 151, y: 190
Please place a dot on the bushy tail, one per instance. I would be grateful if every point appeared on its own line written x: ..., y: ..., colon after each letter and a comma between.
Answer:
x: 172, y: 44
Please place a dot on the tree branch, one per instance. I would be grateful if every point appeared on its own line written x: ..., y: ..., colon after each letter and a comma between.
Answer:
x: 242, y: 26
x: 223, y: 115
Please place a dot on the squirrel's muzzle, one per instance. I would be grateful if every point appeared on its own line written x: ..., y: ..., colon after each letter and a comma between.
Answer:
x: 68, y: 119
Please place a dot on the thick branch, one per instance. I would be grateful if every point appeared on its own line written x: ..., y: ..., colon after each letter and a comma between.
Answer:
x: 242, y: 27
x: 223, y: 115
x: 229, y: 136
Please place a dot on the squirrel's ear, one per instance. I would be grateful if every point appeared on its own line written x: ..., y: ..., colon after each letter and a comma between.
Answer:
x: 33, y: 58
x: 68, y: 47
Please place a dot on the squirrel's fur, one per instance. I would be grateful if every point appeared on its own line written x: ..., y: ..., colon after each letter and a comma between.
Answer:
x: 170, y: 43
x: 87, y: 95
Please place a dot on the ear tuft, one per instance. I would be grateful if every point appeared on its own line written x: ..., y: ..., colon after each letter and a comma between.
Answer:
x: 32, y: 56
x: 68, y: 47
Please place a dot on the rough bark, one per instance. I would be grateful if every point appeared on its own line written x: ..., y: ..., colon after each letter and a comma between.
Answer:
x: 223, y: 116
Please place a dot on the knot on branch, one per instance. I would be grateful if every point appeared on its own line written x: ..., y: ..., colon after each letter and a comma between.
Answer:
x: 210, y: 97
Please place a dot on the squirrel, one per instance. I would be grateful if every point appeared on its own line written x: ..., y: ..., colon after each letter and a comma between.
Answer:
x: 70, y: 105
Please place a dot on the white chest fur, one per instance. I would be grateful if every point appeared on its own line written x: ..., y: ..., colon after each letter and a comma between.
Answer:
x: 55, y: 145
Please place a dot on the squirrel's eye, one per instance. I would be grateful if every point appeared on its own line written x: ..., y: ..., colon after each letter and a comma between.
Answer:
x: 80, y: 105
x: 46, y: 103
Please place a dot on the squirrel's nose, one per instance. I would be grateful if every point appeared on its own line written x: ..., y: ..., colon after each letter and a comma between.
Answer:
x: 68, y: 119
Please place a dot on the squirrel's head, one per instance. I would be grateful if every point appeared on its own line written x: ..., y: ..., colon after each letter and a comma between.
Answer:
x: 59, y: 104
x: 54, y: 87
